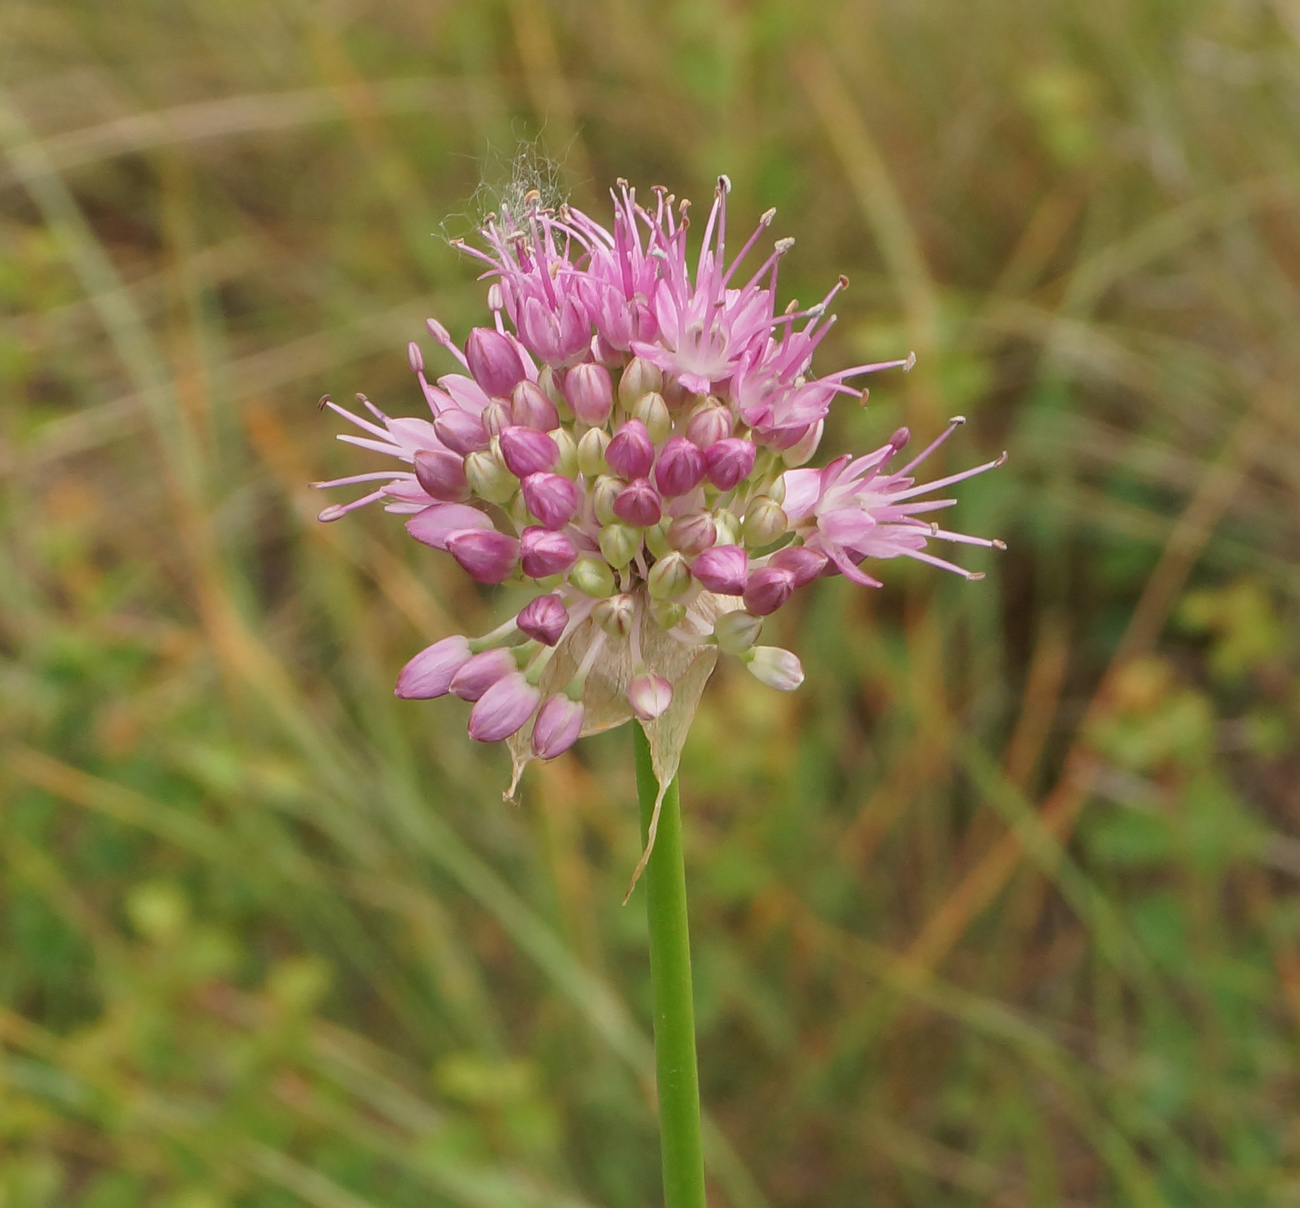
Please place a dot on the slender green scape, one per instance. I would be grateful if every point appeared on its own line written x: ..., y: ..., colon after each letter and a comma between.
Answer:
x: 676, y: 1070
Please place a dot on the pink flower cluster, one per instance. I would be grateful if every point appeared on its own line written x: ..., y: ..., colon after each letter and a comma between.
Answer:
x: 625, y: 439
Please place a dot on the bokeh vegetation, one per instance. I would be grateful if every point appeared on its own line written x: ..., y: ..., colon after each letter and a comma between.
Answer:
x: 1000, y: 909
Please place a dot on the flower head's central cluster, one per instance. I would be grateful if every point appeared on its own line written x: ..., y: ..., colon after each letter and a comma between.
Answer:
x: 626, y: 439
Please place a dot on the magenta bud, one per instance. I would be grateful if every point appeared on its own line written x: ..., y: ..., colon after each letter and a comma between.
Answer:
x: 723, y: 569
x: 527, y: 451
x: 681, y: 467
x: 631, y: 453
x: 590, y: 392
x: 729, y: 461
x: 768, y: 589
x: 638, y: 504
x: 530, y: 408
x: 558, y: 725
x: 692, y: 533
x: 430, y: 673
x: 552, y: 498
x: 461, y: 431
x: 480, y: 671
x: 708, y: 426
x: 804, y: 563
x: 442, y: 475
x: 494, y: 361
x: 900, y: 438
x: 485, y: 555
x: 415, y: 356
x: 545, y: 552
x: 649, y: 695
x: 503, y: 709
x: 544, y: 619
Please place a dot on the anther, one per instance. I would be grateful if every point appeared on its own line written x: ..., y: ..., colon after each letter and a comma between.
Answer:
x: 324, y: 402
x: 1002, y: 457
x: 974, y: 576
x: 910, y: 363
x: 999, y: 544
x: 766, y: 218
x: 784, y: 245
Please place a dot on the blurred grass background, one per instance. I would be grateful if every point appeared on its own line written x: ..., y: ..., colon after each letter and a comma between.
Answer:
x: 1000, y: 909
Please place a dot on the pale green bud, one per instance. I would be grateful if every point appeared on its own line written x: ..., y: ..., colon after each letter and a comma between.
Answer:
x: 652, y: 411
x: 641, y: 377
x: 728, y: 527
x: 765, y: 521
x: 592, y: 577
x: 735, y: 632
x: 488, y: 477
x: 546, y: 380
x: 568, y: 447
x: 591, y: 452
x: 656, y: 538
x: 615, y: 615
x: 669, y: 578
x: 619, y: 543
x: 668, y: 614
x: 603, y: 494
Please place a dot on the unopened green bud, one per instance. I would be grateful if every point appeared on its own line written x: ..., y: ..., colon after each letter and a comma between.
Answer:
x: 764, y: 522
x: 641, y: 377
x: 615, y: 615
x: 591, y: 452
x: 619, y: 543
x: 652, y: 411
x: 546, y: 380
x: 668, y: 614
x: 592, y: 577
x: 735, y: 632
x: 568, y: 447
x: 728, y: 527
x: 488, y: 477
x: 776, y: 489
x: 669, y: 578
x: 656, y: 538
x: 607, y: 489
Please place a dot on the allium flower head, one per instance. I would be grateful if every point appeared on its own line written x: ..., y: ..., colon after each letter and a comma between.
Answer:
x: 625, y: 439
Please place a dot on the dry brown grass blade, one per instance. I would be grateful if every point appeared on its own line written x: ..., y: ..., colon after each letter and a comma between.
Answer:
x: 1058, y: 812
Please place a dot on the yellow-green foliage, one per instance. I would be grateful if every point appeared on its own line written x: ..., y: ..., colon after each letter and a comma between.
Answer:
x: 999, y: 909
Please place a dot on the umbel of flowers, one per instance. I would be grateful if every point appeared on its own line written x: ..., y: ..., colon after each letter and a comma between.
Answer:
x: 629, y: 440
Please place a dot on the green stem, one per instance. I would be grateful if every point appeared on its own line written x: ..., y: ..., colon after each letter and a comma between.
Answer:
x: 670, y: 973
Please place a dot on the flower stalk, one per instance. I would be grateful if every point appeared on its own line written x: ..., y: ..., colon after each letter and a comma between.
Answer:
x: 676, y: 1071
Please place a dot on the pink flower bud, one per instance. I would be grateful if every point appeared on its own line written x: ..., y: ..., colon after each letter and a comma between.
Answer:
x: 729, y: 461
x: 485, y: 555
x: 709, y: 425
x: 527, y: 451
x: 724, y: 569
x: 546, y: 552
x: 638, y: 504
x: 590, y: 392
x: 494, y: 361
x: 442, y: 475
x: 461, y: 431
x: 503, y: 709
x: 631, y: 453
x: 435, y: 524
x: 479, y: 672
x: 768, y: 589
x: 681, y: 467
x: 552, y: 498
x: 774, y: 667
x: 530, y: 408
x: 495, y: 417
x: 544, y: 619
x: 649, y: 695
x: 430, y: 673
x: 804, y: 563
x: 692, y: 532
x: 415, y: 356
x: 559, y: 722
